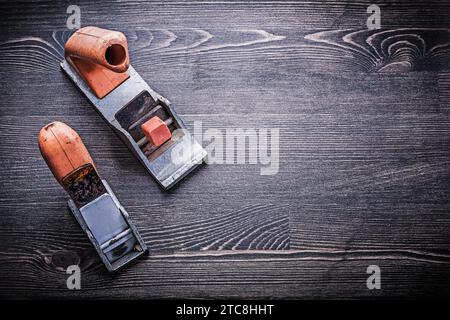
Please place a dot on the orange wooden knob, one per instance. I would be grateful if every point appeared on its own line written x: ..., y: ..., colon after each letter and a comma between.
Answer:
x: 100, y: 56
x: 156, y: 131
x: 100, y: 46
x: 62, y: 149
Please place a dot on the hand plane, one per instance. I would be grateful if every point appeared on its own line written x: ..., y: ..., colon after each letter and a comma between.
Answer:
x: 97, y: 61
x: 92, y: 201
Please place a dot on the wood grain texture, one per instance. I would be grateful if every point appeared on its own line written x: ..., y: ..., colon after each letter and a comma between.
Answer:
x: 364, y: 173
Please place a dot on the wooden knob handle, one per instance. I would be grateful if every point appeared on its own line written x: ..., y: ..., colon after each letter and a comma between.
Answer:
x: 100, y: 57
x: 99, y: 46
x: 62, y: 149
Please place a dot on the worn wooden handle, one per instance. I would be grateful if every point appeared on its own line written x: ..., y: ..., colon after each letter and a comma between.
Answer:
x: 100, y: 57
x: 107, y: 48
x: 62, y: 149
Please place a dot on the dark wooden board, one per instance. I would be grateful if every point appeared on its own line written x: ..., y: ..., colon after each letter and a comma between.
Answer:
x: 364, y: 176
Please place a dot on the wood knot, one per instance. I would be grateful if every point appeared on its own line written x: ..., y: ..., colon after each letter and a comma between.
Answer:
x: 63, y: 258
x: 388, y: 50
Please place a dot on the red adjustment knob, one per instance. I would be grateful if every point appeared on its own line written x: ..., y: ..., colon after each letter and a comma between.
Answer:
x: 156, y: 131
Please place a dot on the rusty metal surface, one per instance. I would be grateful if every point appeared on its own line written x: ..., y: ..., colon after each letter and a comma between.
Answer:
x: 84, y: 185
